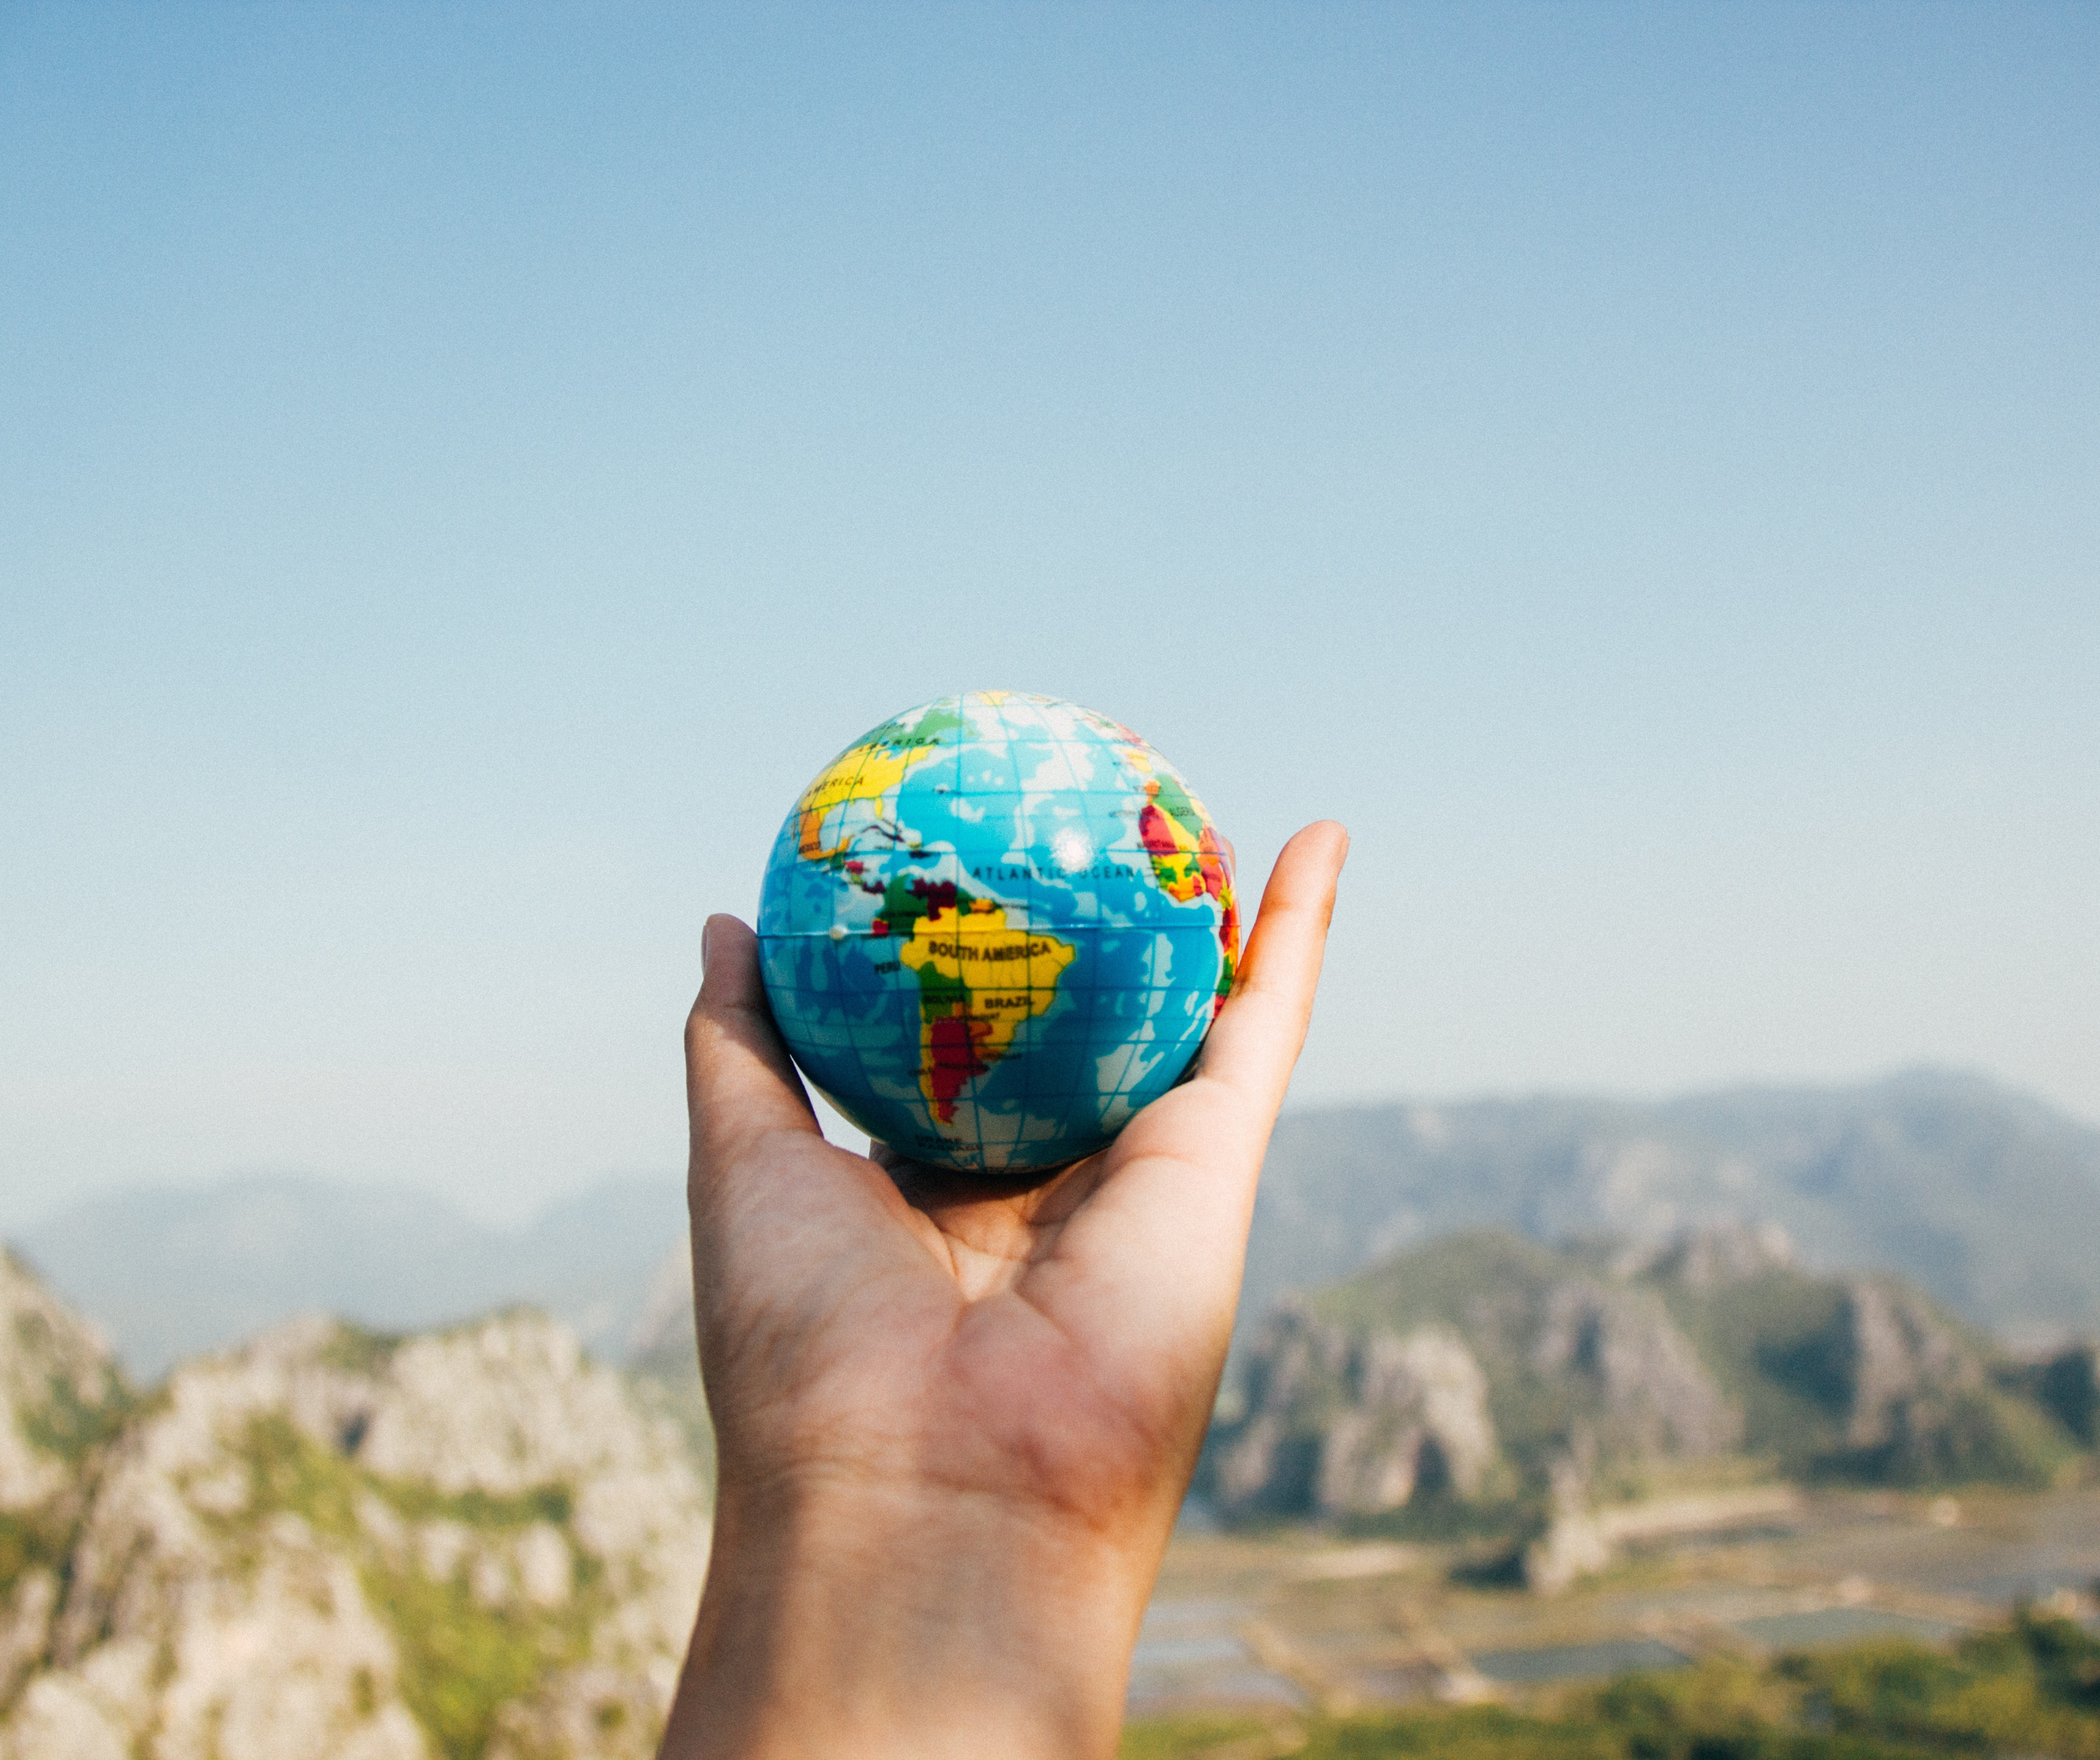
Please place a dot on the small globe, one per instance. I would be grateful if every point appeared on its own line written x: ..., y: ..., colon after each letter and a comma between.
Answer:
x: 995, y: 927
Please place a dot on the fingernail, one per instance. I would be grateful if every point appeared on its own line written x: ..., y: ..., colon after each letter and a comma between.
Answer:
x: 707, y: 940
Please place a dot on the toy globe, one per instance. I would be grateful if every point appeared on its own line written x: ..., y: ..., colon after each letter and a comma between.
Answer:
x: 995, y: 927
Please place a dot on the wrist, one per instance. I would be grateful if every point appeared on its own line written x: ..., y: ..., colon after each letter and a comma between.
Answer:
x: 881, y: 1620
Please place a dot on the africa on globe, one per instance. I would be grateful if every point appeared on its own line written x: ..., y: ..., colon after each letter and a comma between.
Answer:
x: 994, y: 928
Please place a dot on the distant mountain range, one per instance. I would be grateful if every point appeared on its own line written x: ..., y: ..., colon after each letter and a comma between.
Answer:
x: 1987, y: 1199
x: 168, y: 1272
x: 1531, y: 1323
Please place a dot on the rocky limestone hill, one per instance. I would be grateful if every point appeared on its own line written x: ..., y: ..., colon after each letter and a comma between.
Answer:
x: 61, y: 1400
x: 1488, y: 1371
x: 331, y: 1545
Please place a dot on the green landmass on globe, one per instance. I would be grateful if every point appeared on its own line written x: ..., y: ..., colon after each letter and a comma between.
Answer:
x: 995, y: 927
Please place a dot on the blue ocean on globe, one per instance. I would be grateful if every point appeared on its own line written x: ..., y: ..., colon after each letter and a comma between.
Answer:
x: 995, y: 927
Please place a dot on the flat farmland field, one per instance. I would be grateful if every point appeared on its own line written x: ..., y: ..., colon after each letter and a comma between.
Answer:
x: 1266, y: 1631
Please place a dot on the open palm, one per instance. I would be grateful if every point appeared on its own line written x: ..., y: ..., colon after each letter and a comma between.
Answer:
x: 892, y: 1351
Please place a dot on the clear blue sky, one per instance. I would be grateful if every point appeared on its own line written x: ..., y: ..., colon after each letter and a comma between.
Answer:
x: 464, y: 468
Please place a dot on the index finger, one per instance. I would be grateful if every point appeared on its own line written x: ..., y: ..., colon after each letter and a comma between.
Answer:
x: 1254, y: 1042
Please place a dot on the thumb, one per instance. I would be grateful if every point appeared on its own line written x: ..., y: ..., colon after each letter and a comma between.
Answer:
x: 739, y: 1084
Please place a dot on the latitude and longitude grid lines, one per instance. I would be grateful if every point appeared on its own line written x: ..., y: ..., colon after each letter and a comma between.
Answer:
x: 1026, y: 730
x: 1088, y: 758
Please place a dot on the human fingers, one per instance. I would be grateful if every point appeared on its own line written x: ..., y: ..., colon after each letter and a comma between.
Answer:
x: 739, y: 1084
x: 1256, y: 1041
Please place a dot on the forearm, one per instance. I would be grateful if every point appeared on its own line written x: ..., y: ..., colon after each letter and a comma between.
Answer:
x: 923, y: 1624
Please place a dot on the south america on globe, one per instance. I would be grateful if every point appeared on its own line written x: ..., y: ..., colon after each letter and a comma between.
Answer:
x: 994, y: 928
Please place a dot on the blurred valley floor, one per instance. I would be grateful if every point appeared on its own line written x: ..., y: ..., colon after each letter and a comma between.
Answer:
x: 1296, y: 1621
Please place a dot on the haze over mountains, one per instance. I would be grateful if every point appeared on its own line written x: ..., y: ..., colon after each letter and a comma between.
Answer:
x: 168, y: 1272
x: 1987, y: 1199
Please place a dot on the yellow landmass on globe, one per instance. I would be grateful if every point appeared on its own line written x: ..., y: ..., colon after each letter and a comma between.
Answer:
x: 859, y: 773
x: 978, y: 980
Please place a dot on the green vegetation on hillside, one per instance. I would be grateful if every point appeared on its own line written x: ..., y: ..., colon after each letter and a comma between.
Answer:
x: 1782, y: 1343
x: 1636, y: 1364
x: 461, y: 1659
x: 32, y: 1540
x: 2033, y: 1688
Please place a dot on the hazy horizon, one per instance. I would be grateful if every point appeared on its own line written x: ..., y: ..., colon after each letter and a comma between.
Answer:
x: 586, y: 1183
x: 470, y: 467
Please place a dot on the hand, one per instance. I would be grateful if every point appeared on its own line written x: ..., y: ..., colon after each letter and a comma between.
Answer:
x: 955, y: 1415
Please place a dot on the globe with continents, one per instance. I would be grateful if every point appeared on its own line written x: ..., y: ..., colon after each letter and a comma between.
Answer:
x: 995, y: 927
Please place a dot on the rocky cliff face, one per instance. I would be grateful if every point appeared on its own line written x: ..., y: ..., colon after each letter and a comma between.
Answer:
x: 59, y: 1392
x: 1356, y: 1403
x: 330, y: 1546
x: 1893, y: 1354
x: 1618, y: 1349
x: 1487, y: 1366
x: 1354, y: 1423
x: 60, y: 1400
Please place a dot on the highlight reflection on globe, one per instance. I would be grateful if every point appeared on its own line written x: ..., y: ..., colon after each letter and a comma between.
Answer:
x: 994, y: 928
